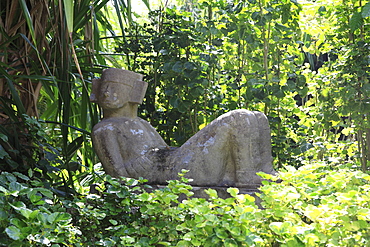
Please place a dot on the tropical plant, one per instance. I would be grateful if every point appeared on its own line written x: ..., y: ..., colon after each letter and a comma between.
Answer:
x: 259, y: 55
x: 29, y: 215
x: 203, y: 63
x: 338, y: 88
x: 50, y: 51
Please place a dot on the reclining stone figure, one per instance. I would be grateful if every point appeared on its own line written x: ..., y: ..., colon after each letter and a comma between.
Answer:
x: 227, y: 152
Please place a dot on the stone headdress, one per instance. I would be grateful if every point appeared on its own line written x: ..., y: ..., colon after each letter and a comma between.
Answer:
x: 126, y: 77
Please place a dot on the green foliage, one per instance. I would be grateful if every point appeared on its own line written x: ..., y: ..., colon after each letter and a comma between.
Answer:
x: 29, y: 215
x: 339, y: 99
x: 318, y: 205
x: 50, y: 52
x: 217, y: 58
x: 315, y: 205
x: 307, y: 71
x: 220, y: 222
x: 26, y: 145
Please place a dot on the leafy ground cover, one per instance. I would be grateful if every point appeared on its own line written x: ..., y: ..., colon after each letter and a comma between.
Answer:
x: 315, y: 205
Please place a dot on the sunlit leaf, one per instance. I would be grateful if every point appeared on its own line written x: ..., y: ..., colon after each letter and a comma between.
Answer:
x: 13, y: 232
x: 233, y: 191
x: 68, y: 11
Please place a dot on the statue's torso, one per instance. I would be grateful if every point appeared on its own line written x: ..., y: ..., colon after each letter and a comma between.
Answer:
x: 133, y: 137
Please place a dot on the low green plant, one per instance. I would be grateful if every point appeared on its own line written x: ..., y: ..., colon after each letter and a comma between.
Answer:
x: 318, y: 204
x: 30, y: 214
x: 105, y: 214
x: 315, y: 205
x: 220, y: 222
x: 125, y: 214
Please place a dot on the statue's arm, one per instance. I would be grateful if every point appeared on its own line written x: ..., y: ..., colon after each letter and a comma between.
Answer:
x: 109, y: 150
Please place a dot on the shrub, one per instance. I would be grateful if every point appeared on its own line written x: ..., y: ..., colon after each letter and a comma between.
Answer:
x: 315, y: 205
x: 127, y: 216
x: 29, y: 214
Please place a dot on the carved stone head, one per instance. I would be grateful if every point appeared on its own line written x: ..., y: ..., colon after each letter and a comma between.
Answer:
x: 118, y: 87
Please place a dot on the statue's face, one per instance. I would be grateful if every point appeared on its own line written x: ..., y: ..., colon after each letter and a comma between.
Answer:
x: 113, y: 95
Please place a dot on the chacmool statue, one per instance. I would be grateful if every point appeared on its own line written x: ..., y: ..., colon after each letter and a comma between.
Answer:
x: 227, y: 152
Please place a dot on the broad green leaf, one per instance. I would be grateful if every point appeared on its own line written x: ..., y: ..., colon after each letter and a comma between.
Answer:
x: 178, y: 67
x: 145, y: 197
x: 294, y: 243
x: 16, y: 187
x: 311, y: 239
x: 196, y: 242
x: 366, y: 10
x: 211, y: 217
x: 312, y: 212
x: 282, y: 227
x: 276, y: 227
x: 351, y: 225
x: 265, y: 175
x: 322, y: 10
x: 25, y: 212
x: 212, y: 193
x: 18, y: 205
x: 221, y: 233
x: 164, y: 243
x: 363, y: 214
x: 20, y: 175
x: 3, y: 215
x: 3, y: 137
x: 63, y: 217
x: 30, y: 173
x: 34, y: 214
x: 197, y: 91
x: 13, y: 232
x: 113, y: 222
x: 3, y: 153
x: 46, y: 192
x: 183, y: 243
x: 366, y: 87
x: 43, y: 217
x: 52, y: 217
x: 18, y: 222
x: 235, y: 231
x: 2, y: 189
x: 169, y: 198
x: 356, y: 21
x: 230, y: 243
x: 292, y: 196
x: 184, y: 106
x: 233, y: 191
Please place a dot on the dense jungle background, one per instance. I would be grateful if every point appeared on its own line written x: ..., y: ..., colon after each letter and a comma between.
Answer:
x: 304, y: 63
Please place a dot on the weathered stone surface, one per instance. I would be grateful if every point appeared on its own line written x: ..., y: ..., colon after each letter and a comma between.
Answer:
x: 227, y: 152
